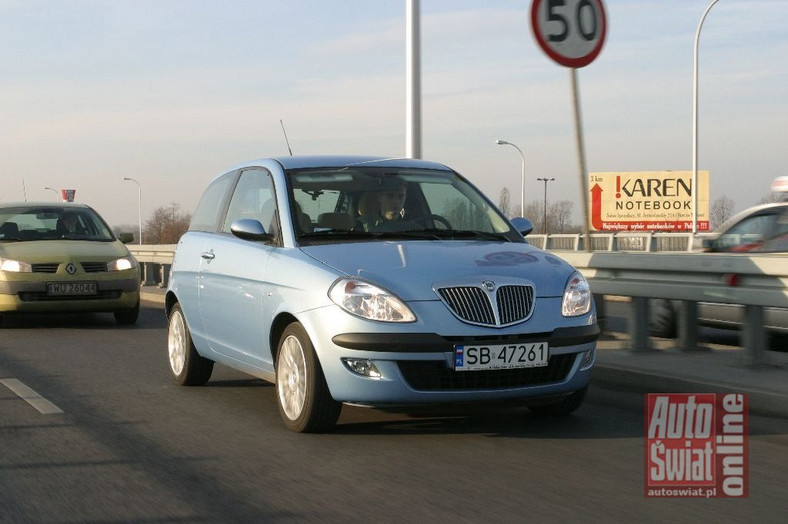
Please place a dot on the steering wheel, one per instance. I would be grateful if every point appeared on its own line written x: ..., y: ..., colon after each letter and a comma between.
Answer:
x: 435, y: 218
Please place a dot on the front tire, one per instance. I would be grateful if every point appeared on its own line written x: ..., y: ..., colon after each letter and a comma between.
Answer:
x: 304, y: 401
x: 188, y: 368
x: 128, y: 316
x: 566, y: 406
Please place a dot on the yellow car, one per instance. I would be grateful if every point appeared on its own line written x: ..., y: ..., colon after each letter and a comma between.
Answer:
x: 62, y: 257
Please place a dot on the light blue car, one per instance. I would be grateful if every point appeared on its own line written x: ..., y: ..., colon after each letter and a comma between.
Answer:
x: 376, y: 282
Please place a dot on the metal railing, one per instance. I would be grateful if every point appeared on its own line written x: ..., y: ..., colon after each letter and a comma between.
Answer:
x: 645, y: 242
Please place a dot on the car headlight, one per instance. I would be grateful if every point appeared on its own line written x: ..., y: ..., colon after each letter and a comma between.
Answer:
x: 15, y: 266
x: 366, y: 300
x: 122, y: 264
x: 577, y: 296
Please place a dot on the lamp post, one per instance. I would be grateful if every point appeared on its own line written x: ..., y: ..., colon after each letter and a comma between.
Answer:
x: 57, y: 195
x: 695, y: 121
x: 139, y: 202
x: 544, y: 216
x: 522, y: 176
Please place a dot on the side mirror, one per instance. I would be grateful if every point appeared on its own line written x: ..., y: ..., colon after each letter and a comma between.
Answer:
x: 249, y: 229
x: 126, y: 238
x: 523, y: 225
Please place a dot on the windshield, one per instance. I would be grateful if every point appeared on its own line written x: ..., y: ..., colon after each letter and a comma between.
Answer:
x: 28, y: 223
x: 363, y: 202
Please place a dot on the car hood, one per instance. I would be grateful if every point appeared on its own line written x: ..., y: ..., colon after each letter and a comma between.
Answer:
x: 410, y: 269
x: 42, y: 251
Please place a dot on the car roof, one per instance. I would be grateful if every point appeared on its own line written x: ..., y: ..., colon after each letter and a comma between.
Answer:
x: 64, y: 205
x: 747, y: 212
x: 313, y: 161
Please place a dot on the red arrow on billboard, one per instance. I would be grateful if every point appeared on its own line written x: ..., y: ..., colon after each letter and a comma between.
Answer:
x: 596, y: 207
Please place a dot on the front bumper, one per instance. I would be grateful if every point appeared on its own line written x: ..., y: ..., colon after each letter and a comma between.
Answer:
x: 31, y: 297
x: 416, y: 366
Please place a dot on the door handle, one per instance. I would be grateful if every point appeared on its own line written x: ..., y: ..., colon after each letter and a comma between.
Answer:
x: 208, y: 255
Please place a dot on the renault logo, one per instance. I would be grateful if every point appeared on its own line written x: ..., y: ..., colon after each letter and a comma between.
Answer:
x: 489, y: 285
x: 71, y: 268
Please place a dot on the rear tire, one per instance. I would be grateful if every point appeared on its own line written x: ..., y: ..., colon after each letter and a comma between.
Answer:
x: 304, y: 401
x: 566, y: 406
x: 188, y: 368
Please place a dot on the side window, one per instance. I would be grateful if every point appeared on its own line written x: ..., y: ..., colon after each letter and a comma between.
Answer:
x: 206, y: 215
x: 750, y: 229
x: 254, y: 198
x: 447, y: 201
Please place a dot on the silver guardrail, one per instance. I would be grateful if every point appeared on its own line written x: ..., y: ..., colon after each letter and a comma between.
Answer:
x: 761, y: 280
x: 754, y: 281
x: 644, y: 242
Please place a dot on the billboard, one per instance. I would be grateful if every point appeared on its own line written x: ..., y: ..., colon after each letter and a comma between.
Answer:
x: 67, y: 195
x: 647, y: 201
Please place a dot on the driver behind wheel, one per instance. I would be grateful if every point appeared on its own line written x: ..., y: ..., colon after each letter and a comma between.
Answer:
x: 379, y: 210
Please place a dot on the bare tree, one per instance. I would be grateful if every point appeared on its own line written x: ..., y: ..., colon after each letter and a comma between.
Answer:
x: 504, y: 202
x: 558, y: 216
x: 166, y: 225
x: 721, y: 210
x: 534, y: 211
x: 771, y: 198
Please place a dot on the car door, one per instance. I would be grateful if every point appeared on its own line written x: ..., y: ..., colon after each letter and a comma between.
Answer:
x: 233, y: 275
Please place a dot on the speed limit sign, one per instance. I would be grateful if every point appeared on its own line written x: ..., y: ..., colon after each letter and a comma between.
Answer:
x: 571, y: 32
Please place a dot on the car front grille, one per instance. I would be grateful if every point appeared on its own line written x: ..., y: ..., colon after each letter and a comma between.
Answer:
x: 45, y: 268
x: 433, y: 375
x: 94, y: 267
x: 508, y: 305
x: 87, y: 267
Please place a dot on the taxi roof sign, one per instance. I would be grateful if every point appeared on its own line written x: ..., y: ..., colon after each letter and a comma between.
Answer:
x: 780, y: 184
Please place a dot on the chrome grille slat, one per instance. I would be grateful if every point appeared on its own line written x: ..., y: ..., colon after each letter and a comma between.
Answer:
x: 512, y: 303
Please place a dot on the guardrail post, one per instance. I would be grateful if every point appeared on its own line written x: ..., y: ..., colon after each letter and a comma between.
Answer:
x: 148, y: 274
x: 754, y: 336
x: 638, y: 324
x: 687, y: 324
x: 164, y: 281
x: 601, y: 311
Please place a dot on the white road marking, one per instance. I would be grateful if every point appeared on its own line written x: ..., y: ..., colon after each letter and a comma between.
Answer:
x: 44, y: 406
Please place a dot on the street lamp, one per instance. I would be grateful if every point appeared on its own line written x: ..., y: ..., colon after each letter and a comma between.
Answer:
x: 695, y: 122
x: 57, y: 195
x: 544, y: 217
x: 522, y: 183
x: 139, y: 202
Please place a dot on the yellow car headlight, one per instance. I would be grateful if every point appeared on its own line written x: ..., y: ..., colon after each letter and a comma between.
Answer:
x: 122, y: 264
x: 15, y: 266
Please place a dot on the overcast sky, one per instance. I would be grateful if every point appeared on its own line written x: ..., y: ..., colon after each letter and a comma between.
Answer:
x: 174, y: 92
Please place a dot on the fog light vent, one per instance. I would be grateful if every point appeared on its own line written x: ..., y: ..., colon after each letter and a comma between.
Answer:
x: 588, y: 359
x: 362, y: 366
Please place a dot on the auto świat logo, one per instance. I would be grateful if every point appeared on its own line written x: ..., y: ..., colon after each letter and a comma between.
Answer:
x: 71, y: 268
x: 697, y: 445
x: 489, y: 285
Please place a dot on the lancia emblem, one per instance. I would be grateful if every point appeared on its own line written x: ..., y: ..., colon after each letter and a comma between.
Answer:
x: 71, y: 268
x: 489, y: 285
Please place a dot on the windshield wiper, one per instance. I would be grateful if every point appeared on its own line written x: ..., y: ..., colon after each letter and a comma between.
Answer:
x: 465, y: 233
x: 343, y: 233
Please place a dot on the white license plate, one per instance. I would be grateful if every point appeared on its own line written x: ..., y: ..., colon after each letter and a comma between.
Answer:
x: 501, y: 356
x: 57, y: 289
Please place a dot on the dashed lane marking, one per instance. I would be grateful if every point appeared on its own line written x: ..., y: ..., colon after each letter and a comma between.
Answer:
x: 44, y: 406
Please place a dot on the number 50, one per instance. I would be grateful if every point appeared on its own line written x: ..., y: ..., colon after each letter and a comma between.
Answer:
x: 585, y: 18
